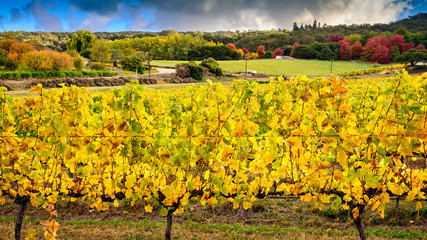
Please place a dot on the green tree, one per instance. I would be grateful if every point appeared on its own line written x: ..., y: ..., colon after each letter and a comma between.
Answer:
x: 133, y: 62
x: 394, y: 53
x: 100, y: 51
x: 413, y: 56
x: 326, y: 54
x: 81, y: 40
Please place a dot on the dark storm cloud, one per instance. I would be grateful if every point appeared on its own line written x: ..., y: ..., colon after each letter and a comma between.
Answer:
x: 41, y: 10
x: 15, y: 15
x: 100, y: 7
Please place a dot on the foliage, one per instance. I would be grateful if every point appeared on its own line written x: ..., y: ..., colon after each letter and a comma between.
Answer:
x: 10, y: 65
x: 81, y: 40
x: 293, y: 49
x: 100, y: 51
x: 318, y: 139
x: 304, y: 52
x: 190, y: 69
x: 48, y: 60
x: 132, y: 63
x: 97, y: 66
x: 215, y: 52
x: 356, y: 50
x: 10, y: 75
x: 268, y: 55
x: 260, y: 51
x: 230, y: 45
x: 78, y: 63
x: 345, y: 51
x: 326, y: 54
x: 394, y: 53
x: 413, y: 56
x: 336, y: 38
x: 15, y: 49
x: 277, y: 52
x: 212, y: 65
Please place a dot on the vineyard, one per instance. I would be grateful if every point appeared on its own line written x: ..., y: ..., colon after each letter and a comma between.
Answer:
x: 345, y: 144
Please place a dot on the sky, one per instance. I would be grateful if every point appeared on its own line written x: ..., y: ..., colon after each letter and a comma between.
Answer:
x: 196, y: 15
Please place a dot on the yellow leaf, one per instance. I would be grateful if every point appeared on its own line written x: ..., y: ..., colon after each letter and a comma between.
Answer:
x: 247, y: 205
x: 235, y: 205
x: 148, y: 208
x: 355, y: 212
x: 116, y: 203
x: 419, y: 205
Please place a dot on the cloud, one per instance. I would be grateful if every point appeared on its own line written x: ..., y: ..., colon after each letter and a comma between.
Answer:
x: 15, y: 15
x: 105, y: 7
x: 41, y: 11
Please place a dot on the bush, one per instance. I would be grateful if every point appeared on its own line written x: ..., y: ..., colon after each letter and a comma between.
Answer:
x: 25, y: 75
x: 10, y: 64
x: 304, y: 52
x: 215, y: 52
x: 133, y: 62
x: 326, y: 54
x: 190, y: 69
x: 97, y: 66
x: 268, y: 55
x: 78, y: 63
x: 56, y: 74
x: 10, y: 75
x: 212, y: 65
x: 39, y: 75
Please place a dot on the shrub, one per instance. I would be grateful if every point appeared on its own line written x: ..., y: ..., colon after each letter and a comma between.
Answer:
x: 268, y: 55
x: 52, y: 74
x: 78, y: 63
x: 10, y: 64
x: 190, y: 69
x: 215, y: 52
x: 212, y: 65
x: 133, y: 62
x: 39, y: 75
x: 326, y: 54
x: 97, y: 66
x: 305, y: 52
x: 10, y: 75
x: 25, y: 75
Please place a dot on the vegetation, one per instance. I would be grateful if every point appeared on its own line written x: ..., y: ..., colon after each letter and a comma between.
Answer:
x: 212, y: 65
x: 191, y: 69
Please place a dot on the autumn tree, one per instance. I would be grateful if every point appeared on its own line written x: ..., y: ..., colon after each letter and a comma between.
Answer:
x: 100, y: 51
x: 261, y: 51
x: 345, y: 52
x: 381, y: 54
x: 245, y: 50
x: 293, y: 48
x: 277, y: 52
x: 336, y: 38
x: 420, y: 47
x: 15, y: 49
x: 81, y: 40
x: 47, y: 60
x: 230, y: 45
x: 356, y: 50
x: 398, y: 40
x: 394, y: 53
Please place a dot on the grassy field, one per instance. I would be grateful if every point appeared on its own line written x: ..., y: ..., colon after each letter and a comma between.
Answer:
x: 268, y: 219
x: 283, y: 67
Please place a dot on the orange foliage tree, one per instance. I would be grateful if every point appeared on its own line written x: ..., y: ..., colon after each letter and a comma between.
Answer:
x: 15, y: 49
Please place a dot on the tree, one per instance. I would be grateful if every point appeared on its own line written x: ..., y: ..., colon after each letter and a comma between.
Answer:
x: 413, y: 56
x: 132, y: 63
x: 245, y: 50
x: 345, y: 52
x: 336, y: 38
x: 212, y: 65
x: 261, y: 51
x: 356, y: 50
x: 230, y: 45
x: 355, y: 38
x: 304, y: 52
x: 47, y: 60
x: 15, y: 49
x: 81, y: 40
x: 267, y: 55
x: 394, y: 53
x: 407, y: 46
x: 398, y: 40
x: 381, y: 54
x: 314, y: 24
x: 100, y: 51
x: 402, y: 31
x: 277, y: 52
x: 326, y: 54
x: 293, y: 49
x: 420, y: 47
x: 295, y: 27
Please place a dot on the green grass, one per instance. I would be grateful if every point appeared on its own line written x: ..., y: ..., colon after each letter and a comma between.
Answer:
x: 283, y: 67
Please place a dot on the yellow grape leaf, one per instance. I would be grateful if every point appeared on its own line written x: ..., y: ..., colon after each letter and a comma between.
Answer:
x: 342, y: 158
x: 116, y: 203
x: 355, y: 212
x: 247, y: 205
x: 419, y: 205
x: 212, y: 201
x: 148, y: 208
x: 226, y: 153
x: 235, y: 205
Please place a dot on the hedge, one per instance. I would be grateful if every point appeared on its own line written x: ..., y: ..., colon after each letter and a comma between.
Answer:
x: 56, y: 74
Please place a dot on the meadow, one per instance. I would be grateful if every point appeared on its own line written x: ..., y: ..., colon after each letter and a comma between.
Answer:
x: 283, y: 67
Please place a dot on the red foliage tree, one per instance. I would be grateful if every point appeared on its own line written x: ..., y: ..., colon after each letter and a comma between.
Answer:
x: 245, y: 50
x: 336, y: 38
x: 398, y: 40
x: 277, y: 52
x: 406, y: 47
x: 293, y: 48
x: 260, y: 51
x: 420, y: 47
x: 381, y: 54
x: 15, y: 48
x: 345, y: 52
x: 230, y: 45
x: 356, y: 50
